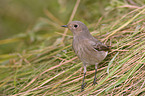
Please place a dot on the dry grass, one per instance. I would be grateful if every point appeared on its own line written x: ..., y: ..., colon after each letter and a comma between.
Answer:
x: 55, y: 70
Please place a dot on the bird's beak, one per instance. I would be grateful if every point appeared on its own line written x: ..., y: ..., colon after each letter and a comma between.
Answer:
x: 64, y: 26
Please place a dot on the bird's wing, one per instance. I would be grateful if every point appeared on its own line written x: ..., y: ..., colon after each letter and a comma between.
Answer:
x: 100, y: 46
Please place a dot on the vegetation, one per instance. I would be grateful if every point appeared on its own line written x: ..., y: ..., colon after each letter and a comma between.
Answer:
x: 40, y: 61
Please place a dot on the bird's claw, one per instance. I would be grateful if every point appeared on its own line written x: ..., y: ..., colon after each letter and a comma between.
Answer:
x: 83, y: 86
x: 94, y: 82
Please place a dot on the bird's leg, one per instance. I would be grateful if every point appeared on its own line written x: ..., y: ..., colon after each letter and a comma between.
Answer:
x: 83, y: 84
x: 94, y: 82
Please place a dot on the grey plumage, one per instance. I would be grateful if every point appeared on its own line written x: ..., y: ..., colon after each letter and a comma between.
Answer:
x: 87, y: 48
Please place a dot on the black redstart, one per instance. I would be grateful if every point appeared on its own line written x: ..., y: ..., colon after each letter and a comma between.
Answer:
x: 88, y: 49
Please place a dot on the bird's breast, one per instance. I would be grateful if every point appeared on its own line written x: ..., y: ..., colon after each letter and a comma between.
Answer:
x: 87, y: 54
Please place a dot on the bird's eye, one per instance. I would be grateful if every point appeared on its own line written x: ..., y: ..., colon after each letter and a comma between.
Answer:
x: 75, y: 26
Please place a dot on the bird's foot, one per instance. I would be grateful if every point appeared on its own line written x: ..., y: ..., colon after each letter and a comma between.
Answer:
x: 94, y: 82
x: 83, y: 86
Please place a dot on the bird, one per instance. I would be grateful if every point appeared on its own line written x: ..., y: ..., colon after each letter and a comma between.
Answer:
x: 89, y: 49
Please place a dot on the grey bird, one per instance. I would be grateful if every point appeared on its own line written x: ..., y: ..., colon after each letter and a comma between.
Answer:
x: 89, y: 50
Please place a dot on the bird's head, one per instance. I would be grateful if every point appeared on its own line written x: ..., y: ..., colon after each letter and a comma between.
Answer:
x: 77, y: 27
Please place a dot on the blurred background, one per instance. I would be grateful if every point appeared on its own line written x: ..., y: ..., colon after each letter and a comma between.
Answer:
x: 22, y: 22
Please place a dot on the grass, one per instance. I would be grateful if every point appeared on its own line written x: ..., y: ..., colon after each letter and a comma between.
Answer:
x: 45, y: 64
